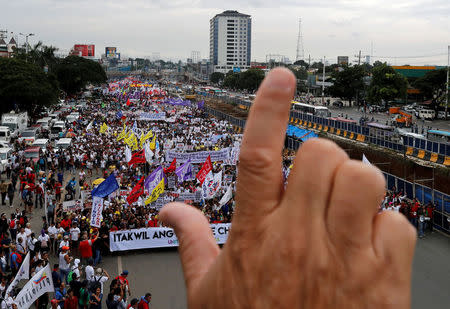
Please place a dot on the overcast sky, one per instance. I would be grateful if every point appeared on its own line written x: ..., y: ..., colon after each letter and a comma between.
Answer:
x: 174, y: 28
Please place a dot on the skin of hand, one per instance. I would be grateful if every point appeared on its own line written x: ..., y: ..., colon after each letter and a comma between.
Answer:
x: 319, y: 243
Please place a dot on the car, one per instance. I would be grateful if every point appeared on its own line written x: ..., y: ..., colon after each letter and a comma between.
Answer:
x: 29, y: 135
x: 338, y: 104
x: 4, y: 144
x: 32, y: 153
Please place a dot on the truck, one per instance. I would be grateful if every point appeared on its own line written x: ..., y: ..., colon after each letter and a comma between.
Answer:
x: 402, y: 118
x: 16, y: 122
x: 5, y: 134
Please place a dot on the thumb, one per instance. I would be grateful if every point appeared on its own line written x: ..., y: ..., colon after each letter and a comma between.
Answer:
x: 197, y: 246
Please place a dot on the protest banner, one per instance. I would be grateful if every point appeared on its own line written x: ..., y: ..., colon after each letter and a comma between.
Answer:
x: 72, y: 205
x: 96, y: 212
x: 153, y: 116
x: 39, y: 284
x: 199, y: 156
x: 159, y: 237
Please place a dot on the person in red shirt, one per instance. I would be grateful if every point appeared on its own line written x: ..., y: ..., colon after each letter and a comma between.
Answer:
x: 413, y: 213
x: 429, y: 214
x: 58, y: 191
x: 66, y: 222
x: 85, y: 248
x: 153, y: 222
x: 145, y: 301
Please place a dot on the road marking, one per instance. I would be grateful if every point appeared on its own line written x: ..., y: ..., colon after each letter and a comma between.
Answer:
x: 119, y: 264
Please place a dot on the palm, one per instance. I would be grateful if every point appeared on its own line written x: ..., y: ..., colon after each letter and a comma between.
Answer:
x: 317, y: 244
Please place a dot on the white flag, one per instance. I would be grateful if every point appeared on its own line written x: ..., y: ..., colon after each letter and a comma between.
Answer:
x: 365, y: 160
x: 23, y: 273
x: 127, y: 153
x: 211, y: 184
x: 89, y: 127
x: 226, y: 197
x: 148, y: 153
x: 39, y: 284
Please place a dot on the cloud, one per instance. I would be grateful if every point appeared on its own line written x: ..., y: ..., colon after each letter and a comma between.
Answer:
x: 175, y: 28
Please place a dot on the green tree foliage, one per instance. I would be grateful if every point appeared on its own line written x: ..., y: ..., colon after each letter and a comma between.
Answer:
x: 347, y: 83
x: 39, y: 54
x: 248, y: 80
x: 301, y: 73
x: 386, y: 84
x: 303, y: 63
x: 74, y: 73
x: 433, y: 83
x: 217, y: 77
x: 25, y: 86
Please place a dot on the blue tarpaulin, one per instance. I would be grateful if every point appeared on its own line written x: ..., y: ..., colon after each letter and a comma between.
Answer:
x: 303, y: 134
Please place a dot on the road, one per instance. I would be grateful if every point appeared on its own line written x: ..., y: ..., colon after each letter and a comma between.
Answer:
x: 159, y: 271
x: 352, y: 112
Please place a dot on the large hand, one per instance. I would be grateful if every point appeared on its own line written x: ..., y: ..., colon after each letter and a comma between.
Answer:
x: 318, y: 244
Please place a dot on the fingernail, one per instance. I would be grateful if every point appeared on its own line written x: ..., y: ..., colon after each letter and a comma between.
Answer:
x: 280, y: 81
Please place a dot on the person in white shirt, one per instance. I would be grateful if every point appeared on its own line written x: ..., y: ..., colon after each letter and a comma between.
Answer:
x: 52, y: 232
x: 76, y: 268
x: 44, y: 239
x: 75, y: 237
x: 89, y: 270
x: 23, y: 238
x: 101, y: 276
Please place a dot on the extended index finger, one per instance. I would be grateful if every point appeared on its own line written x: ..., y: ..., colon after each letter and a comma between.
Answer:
x: 259, y: 184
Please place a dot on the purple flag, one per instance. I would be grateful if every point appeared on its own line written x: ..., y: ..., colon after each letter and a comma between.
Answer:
x: 154, y: 179
x: 201, y: 104
x: 184, y: 172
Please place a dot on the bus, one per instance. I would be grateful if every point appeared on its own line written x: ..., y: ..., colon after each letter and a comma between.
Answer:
x: 441, y: 136
x: 319, y: 111
x: 381, y: 131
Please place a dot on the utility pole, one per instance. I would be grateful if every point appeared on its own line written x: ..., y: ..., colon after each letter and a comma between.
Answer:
x: 447, y: 85
x: 359, y: 58
x: 323, y: 81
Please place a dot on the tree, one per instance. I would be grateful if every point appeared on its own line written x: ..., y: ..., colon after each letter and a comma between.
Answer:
x: 250, y: 79
x: 25, y: 86
x: 433, y: 83
x: 386, y: 84
x: 40, y: 54
x: 74, y: 73
x: 231, y: 80
x: 347, y: 83
x: 217, y: 77
x: 301, y: 73
x: 302, y: 63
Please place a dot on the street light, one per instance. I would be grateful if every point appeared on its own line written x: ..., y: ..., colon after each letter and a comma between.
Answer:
x: 26, y: 39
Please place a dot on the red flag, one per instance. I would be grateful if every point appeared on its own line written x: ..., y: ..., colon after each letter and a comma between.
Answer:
x: 206, y: 168
x: 137, y: 157
x: 128, y: 102
x: 172, y: 167
x: 137, y: 191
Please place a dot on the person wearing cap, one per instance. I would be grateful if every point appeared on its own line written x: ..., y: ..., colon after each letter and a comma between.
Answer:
x: 123, y: 281
x: 64, y: 262
x: 145, y: 301
x: 101, y: 276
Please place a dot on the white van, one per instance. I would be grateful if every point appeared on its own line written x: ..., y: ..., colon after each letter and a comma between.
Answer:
x: 5, y: 154
x: 44, y: 122
x: 58, y: 126
x: 63, y: 143
x: 427, y: 114
x: 5, y: 134
x: 42, y: 143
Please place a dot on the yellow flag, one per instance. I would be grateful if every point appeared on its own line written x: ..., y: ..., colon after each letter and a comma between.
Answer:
x: 153, y: 143
x: 103, y: 128
x: 155, y: 193
x: 145, y: 137
x: 122, y: 134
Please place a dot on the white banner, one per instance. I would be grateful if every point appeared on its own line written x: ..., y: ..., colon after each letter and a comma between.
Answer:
x: 96, y: 212
x: 73, y: 205
x: 23, y: 273
x: 39, y: 284
x: 152, y: 116
x: 157, y: 237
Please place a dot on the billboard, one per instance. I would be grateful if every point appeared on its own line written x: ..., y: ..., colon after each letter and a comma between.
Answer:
x: 342, y: 60
x: 86, y: 50
x: 110, y: 52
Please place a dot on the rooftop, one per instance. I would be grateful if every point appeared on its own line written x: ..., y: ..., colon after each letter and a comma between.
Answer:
x: 231, y: 13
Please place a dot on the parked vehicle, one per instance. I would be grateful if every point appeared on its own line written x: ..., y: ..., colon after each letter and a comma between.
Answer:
x: 5, y: 134
x: 16, y: 122
x: 5, y: 154
x: 428, y: 114
x: 32, y: 153
x: 63, y: 143
x: 56, y: 129
x: 28, y: 136
x: 42, y: 143
x: 44, y: 122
